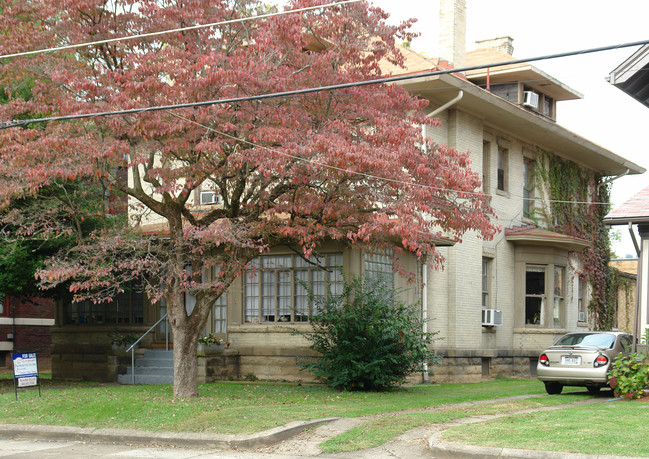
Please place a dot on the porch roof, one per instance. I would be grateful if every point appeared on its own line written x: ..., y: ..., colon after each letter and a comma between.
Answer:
x: 531, y: 235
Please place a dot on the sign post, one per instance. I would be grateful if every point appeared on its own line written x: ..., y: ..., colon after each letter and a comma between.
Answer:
x: 25, y: 371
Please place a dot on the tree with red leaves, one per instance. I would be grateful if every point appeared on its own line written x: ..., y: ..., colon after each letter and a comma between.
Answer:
x: 346, y: 165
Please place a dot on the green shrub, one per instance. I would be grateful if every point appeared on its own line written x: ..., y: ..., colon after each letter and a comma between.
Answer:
x: 366, y: 339
x: 629, y: 374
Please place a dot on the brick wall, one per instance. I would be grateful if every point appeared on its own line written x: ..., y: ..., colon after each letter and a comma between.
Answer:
x: 26, y: 327
x: 34, y: 308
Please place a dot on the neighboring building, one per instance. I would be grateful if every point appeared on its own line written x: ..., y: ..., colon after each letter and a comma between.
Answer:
x: 625, y: 276
x: 632, y: 76
x: 496, y: 305
x: 25, y: 327
x: 636, y: 212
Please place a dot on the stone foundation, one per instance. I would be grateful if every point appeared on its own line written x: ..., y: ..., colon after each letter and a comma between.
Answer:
x: 218, y: 365
x: 275, y: 363
x: 477, y: 365
x: 81, y: 354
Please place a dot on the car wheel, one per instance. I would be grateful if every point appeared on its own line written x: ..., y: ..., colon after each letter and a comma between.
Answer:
x: 593, y: 389
x: 553, y: 388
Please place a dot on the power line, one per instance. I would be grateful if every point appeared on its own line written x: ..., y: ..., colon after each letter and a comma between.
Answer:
x: 5, y: 125
x: 371, y: 176
x: 182, y: 29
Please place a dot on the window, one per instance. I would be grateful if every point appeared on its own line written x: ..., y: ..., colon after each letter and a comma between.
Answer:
x: 503, y: 159
x: 581, y: 306
x: 534, y: 295
x: 4, y: 306
x: 276, y: 288
x: 548, y: 106
x: 528, y: 188
x: 486, y: 166
x: 379, y: 266
x: 559, y: 282
x: 125, y: 308
x: 219, y: 315
x: 545, y: 286
x: 486, y: 273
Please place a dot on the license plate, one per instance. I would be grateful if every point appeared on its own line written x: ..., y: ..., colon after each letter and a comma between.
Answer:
x: 570, y: 360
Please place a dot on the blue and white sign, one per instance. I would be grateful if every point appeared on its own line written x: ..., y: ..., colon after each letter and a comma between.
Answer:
x: 25, y: 369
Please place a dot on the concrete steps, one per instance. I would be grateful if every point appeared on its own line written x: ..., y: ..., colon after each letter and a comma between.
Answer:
x: 155, y: 367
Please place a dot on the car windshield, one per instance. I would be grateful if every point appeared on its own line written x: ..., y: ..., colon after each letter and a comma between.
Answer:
x: 587, y: 339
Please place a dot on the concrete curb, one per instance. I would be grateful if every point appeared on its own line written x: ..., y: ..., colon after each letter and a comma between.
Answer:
x: 139, y: 437
x: 452, y: 450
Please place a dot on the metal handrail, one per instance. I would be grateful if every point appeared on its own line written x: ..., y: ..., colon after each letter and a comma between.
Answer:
x: 132, y: 347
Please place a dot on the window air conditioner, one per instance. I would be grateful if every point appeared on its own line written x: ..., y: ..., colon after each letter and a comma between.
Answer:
x: 582, y: 316
x: 492, y: 317
x: 208, y: 197
x: 531, y: 99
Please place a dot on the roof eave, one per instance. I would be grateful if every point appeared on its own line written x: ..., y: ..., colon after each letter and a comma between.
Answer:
x: 522, y: 123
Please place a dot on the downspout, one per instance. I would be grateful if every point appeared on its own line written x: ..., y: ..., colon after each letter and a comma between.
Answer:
x: 448, y: 104
x: 635, y: 241
x: 611, y: 179
x: 424, y: 275
x: 424, y: 313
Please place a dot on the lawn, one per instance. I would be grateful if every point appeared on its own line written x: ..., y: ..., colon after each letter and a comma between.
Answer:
x: 615, y: 428
x: 247, y: 407
x: 229, y: 407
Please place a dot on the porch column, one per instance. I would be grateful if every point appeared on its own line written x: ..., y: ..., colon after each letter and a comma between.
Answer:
x: 643, y: 277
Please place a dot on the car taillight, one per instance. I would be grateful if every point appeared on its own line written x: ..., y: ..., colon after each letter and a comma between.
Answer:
x: 543, y: 359
x: 600, y: 361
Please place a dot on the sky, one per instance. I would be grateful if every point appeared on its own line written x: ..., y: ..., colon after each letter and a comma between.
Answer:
x: 606, y: 115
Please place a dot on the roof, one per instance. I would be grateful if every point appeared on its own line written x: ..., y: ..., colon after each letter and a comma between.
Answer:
x: 495, y: 110
x: 635, y: 210
x: 413, y: 63
x: 532, y: 235
x: 523, y: 71
x: 632, y: 76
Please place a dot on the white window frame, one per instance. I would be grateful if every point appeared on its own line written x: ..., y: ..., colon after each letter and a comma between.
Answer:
x: 273, y: 290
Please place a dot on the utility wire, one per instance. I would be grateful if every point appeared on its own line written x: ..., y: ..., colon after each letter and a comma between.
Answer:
x: 316, y: 89
x: 182, y: 29
x: 366, y: 175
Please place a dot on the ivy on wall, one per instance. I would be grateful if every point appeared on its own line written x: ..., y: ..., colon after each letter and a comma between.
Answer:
x: 569, y: 188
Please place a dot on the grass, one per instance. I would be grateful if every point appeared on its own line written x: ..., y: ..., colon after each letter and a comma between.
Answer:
x: 378, y: 431
x: 229, y: 408
x: 247, y: 407
x: 617, y: 428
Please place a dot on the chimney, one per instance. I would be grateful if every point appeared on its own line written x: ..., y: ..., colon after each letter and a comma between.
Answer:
x: 503, y: 44
x: 452, y: 36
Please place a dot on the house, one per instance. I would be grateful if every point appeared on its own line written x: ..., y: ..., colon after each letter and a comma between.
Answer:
x: 636, y: 212
x: 496, y: 305
x: 632, y: 76
x: 25, y: 327
x: 625, y: 275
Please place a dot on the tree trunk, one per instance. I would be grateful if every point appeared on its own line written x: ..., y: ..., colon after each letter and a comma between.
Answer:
x: 185, y: 361
x: 186, y: 329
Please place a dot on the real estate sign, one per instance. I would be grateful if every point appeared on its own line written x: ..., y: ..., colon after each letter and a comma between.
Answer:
x: 25, y: 371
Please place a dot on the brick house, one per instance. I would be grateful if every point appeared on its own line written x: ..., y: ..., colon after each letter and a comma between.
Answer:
x: 25, y: 327
x: 624, y: 294
x: 496, y: 305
